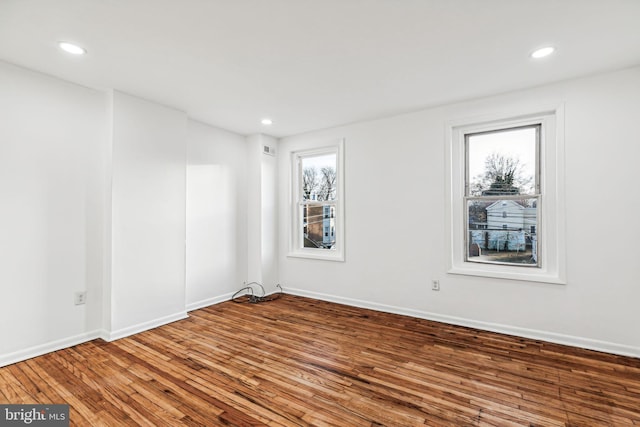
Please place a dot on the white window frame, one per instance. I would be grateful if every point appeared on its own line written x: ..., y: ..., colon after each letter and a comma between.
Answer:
x: 551, y: 228
x: 535, y: 194
x: 296, y: 248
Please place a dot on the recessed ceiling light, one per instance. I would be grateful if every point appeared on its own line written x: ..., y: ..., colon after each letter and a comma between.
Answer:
x: 267, y: 122
x: 542, y: 52
x: 72, y: 48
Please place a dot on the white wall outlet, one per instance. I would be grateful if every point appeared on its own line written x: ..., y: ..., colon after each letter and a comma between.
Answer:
x: 435, y: 285
x: 80, y: 298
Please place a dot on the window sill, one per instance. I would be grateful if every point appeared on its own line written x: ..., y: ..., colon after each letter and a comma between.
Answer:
x: 313, y: 254
x: 526, y: 274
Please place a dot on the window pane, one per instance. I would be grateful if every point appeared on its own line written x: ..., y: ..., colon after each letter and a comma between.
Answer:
x: 316, y: 225
x: 319, y: 178
x: 502, y: 231
x: 502, y: 162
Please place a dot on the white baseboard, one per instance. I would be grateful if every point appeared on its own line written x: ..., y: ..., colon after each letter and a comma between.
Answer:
x: 591, y: 344
x: 573, y: 341
x: 209, y: 301
x: 39, y: 350
x: 141, y: 327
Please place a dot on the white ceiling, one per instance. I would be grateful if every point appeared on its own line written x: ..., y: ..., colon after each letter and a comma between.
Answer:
x: 312, y: 64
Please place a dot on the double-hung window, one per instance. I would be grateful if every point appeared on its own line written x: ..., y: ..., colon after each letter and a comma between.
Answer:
x: 317, y: 229
x: 502, y: 195
x: 505, y: 190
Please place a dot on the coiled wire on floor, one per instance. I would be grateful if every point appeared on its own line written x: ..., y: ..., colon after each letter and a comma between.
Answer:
x: 251, y: 297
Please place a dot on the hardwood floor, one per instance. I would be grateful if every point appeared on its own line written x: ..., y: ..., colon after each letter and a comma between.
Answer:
x: 297, y: 361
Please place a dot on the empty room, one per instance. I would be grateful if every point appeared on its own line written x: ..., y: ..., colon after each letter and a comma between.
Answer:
x: 319, y: 213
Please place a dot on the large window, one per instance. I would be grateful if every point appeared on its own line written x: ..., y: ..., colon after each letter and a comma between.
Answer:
x: 502, y: 195
x: 318, y: 216
x: 505, y: 187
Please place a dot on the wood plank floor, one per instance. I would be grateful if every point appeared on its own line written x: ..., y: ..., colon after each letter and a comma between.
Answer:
x: 298, y: 361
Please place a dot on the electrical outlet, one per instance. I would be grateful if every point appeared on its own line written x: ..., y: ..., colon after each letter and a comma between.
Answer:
x: 80, y: 298
x: 435, y: 285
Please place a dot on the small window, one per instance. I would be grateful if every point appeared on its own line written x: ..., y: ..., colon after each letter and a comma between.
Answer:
x: 317, y: 215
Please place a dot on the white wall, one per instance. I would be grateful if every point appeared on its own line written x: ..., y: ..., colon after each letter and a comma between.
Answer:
x: 94, y: 197
x: 262, y: 224
x: 254, y: 208
x: 148, y: 215
x: 216, y: 263
x: 398, y: 163
x: 269, y: 217
x: 52, y: 136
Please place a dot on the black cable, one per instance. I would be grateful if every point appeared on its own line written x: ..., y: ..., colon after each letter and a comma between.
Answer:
x: 254, y: 299
x: 236, y: 298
